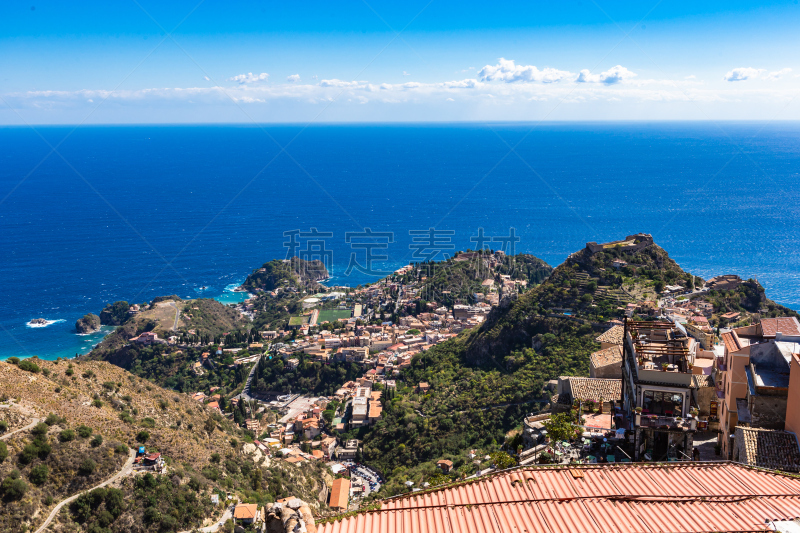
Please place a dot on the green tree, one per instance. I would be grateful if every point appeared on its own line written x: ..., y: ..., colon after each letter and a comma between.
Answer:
x: 88, y: 466
x: 38, y: 475
x: 559, y: 427
x: 13, y: 488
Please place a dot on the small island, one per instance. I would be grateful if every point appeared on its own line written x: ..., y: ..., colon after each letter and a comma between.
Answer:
x: 90, y: 323
x: 38, y: 322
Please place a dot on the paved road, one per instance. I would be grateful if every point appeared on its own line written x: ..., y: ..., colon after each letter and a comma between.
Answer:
x: 29, y: 426
x: 177, y: 315
x: 126, y: 469
x: 246, y: 390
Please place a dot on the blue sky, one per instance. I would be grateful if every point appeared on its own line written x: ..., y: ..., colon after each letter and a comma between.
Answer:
x: 417, y: 60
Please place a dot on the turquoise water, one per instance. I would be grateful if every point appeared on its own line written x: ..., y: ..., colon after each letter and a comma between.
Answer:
x: 145, y: 211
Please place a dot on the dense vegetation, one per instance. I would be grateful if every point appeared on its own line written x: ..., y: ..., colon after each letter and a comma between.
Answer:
x: 51, y: 462
x: 88, y: 323
x: 295, y: 272
x: 272, y: 375
x: 749, y: 297
x: 115, y: 314
x: 454, y: 281
x: 468, y: 406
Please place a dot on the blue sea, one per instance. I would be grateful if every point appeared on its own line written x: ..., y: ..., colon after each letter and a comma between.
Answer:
x: 133, y: 212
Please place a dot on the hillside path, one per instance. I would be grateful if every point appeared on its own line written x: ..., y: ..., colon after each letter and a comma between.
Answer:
x: 215, y: 526
x: 124, y: 471
x: 29, y: 426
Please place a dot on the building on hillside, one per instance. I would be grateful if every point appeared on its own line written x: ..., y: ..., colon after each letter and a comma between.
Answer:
x: 754, y: 378
x: 147, y: 338
x: 596, y: 390
x: 445, y: 465
x: 606, y: 363
x: 340, y: 494
x: 611, y: 337
x: 766, y: 448
x: 624, y: 498
x: 657, y: 391
x: 246, y: 513
x: 348, y: 451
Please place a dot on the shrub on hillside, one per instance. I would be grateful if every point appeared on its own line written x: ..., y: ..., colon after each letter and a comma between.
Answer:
x: 88, y: 466
x: 13, y: 488
x: 84, y: 432
x: 38, y: 475
x: 29, y: 366
x: 66, y: 435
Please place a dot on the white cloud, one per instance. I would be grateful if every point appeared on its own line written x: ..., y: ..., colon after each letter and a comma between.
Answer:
x: 386, y: 86
x: 690, y: 77
x: 206, y: 78
x: 608, y: 77
x: 506, y: 70
x: 778, y: 74
x: 249, y: 78
x: 449, y: 100
x: 294, y: 78
x: 411, y: 85
x: 742, y: 74
x: 406, y: 73
x: 463, y: 84
x: 339, y: 83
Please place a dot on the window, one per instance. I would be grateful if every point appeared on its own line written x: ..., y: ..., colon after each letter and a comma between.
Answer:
x: 662, y: 403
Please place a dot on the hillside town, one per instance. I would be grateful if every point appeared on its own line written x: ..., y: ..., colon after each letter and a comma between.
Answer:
x: 672, y: 381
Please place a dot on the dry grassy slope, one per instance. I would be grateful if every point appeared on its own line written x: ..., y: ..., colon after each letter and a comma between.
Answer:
x: 74, y: 402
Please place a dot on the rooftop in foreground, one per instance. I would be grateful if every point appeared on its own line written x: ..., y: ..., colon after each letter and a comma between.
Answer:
x: 687, y: 497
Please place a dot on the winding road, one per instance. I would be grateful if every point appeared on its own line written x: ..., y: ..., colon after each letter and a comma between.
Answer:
x: 29, y: 426
x: 124, y: 471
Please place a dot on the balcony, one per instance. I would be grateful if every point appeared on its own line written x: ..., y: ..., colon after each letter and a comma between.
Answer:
x: 663, y: 422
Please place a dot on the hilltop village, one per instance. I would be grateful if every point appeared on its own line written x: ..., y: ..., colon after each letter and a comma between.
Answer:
x: 478, y: 371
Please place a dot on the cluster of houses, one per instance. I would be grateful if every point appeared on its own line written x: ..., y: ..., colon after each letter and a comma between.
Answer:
x: 663, y: 380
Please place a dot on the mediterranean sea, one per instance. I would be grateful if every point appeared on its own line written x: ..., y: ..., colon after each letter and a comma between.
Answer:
x: 133, y: 212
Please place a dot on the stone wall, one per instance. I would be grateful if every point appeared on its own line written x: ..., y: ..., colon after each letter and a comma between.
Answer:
x: 768, y: 412
x: 642, y: 240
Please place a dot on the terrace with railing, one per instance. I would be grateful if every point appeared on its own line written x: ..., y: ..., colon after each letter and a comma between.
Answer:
x: 660, y: 353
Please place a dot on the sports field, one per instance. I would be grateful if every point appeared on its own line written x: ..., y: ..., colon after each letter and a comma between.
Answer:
x: 332, y: 315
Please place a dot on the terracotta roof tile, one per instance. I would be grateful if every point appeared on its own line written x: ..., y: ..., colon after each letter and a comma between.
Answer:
x: 787, y: 325
x: 613, y: 335
x: 731, y: 341
x: 691, y: 498
x: 770, y: 448
x: 340, y: 493
x: 595, y: 388
x: 609, y: 356
x: 246, y: 511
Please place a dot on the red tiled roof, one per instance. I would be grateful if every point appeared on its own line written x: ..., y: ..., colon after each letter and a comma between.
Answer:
x: 731, y: 341
x: 603, y: 499
x: 340, y: 493
x: 787, y: 325
x: 245, y: 511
